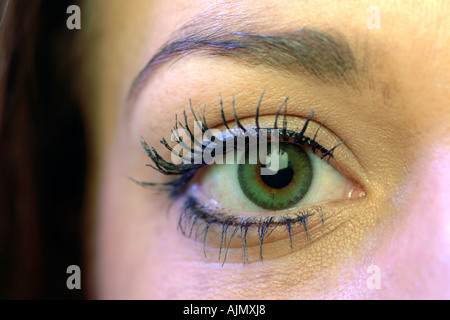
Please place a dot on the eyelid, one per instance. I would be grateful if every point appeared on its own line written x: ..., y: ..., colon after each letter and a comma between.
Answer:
x: 237, y: 242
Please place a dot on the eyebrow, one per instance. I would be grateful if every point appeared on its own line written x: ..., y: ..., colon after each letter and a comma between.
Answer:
x: 322, y: 55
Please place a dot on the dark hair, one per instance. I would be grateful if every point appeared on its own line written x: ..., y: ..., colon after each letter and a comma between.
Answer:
x: 43, y: 153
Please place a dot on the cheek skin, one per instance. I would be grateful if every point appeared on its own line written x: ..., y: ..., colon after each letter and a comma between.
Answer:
x: 414, y: 260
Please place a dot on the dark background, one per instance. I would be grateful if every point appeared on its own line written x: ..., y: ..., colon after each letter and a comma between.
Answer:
x: 43, y: 154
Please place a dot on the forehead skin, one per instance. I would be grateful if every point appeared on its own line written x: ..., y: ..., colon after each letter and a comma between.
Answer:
x: 409, y: 62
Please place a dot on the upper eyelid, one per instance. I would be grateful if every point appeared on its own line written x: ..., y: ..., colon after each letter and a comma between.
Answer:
x: 298, y: 137
x: 333, y: 126
x: 167, y: 168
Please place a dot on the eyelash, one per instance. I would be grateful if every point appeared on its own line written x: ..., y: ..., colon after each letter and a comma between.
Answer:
x: 192, y: 212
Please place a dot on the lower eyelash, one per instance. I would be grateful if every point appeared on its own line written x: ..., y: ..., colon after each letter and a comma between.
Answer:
x: 196, y: 219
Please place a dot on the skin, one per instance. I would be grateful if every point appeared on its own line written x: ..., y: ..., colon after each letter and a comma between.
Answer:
x: 398, y: 153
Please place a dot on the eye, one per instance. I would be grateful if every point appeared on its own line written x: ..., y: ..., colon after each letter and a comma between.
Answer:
x: 302, y: 179
x: 242, y: 203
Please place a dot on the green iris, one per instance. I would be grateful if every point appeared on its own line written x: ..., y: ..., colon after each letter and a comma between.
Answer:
x: 283, y: 189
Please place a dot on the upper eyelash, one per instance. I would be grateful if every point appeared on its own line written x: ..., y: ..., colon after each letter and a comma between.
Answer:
x: 185, y: 172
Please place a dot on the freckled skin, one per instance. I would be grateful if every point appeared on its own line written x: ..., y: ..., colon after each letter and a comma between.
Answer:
x: 399, y: 132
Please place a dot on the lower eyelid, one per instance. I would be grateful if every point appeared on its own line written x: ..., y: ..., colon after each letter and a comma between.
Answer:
x: 225, y: 229
x: 234, y: 243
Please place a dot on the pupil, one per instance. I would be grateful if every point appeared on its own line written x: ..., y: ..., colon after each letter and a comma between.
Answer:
x: 279, y: 180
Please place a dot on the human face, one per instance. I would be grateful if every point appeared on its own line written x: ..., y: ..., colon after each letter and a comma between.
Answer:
x: 389, y: 96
